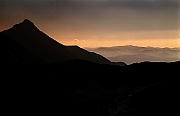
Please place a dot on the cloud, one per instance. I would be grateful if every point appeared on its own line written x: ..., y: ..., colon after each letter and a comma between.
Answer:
x: 79, y: 6
x: 76, y: 40
x: 96, y: 15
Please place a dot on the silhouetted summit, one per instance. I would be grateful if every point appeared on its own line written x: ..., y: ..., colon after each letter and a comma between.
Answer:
x: 26, y: 25
x: 28, y: 22
x: 53, y: 79
x: 38, y: 43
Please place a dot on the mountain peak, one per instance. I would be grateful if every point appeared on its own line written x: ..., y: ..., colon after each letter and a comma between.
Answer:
x: 24, y: 26
x: 27, y: 21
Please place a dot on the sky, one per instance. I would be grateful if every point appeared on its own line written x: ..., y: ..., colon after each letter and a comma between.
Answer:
x: 97, y: 23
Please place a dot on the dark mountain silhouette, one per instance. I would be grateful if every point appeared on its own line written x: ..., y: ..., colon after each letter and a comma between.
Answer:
x: 90, y: 56
x: 14, y: 53
x: 31, y: 38
x: 81, y: 83
x: 85, y: 88
x: 39, y: 44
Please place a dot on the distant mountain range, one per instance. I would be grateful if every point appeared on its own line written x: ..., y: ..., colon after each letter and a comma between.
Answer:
x: 40, y: 76
x: 25, y: 43
x: 132, y: 54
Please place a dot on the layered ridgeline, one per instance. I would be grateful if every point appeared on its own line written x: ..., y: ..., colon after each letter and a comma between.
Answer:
x: 62, y: 81
x: 25, y: 43
x: 131, y: 54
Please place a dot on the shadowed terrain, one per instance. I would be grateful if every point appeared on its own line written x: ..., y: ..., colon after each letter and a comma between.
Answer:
x: 72, y: 81
x: 85, y: 88
x: 28, y: 36
x: 90, y: 56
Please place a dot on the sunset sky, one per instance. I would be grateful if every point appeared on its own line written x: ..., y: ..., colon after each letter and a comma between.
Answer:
x: 94, y: 23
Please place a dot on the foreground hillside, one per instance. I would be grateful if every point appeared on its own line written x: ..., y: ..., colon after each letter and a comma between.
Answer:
x: 79, y: 87
x: 40, y: 76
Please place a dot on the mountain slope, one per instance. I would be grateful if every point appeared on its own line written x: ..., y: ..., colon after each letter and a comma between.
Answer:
x: 29, y: 37
x: 12, y: 52
x: 90, y: 56
x: 80, y: 87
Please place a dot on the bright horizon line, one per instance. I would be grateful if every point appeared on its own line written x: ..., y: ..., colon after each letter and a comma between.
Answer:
x: 95, y: 43
x: 117, y: 46
x: 127, y: 45
x: 164, y: 43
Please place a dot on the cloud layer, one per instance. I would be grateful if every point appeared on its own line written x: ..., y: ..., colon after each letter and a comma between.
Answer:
x: 71, y: 19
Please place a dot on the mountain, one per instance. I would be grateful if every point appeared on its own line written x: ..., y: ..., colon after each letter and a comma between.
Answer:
x: 37, y: 44
x: 131, y: 54
x: 31, y: 38
x: 83, y: 88
x: 140, y: 58
x: 75, y: 84
x: 14, y: 53
x: 85, y: 55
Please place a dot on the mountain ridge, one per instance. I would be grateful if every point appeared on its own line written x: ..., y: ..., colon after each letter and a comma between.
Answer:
x: 130, y: 54
x: 76, y: 86
x: 31, y: 38
x: 86, y: 55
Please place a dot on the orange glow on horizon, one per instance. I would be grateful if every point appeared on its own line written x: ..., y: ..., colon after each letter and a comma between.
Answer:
x: 163, y: 38
x: 162, y: 43
x: 83, y: 39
